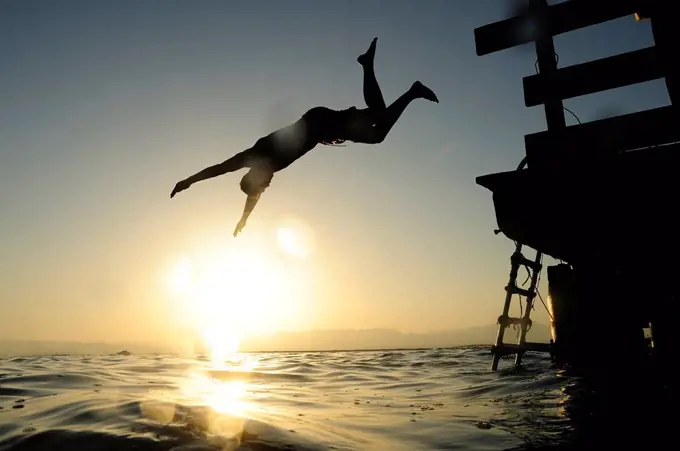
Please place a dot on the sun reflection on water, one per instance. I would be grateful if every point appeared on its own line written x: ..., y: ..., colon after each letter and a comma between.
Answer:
x: 226, y: 293
x: 226, y: 397
x: 216, y: 398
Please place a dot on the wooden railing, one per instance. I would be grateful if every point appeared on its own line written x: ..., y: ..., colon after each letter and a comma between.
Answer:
x: 562, y: 146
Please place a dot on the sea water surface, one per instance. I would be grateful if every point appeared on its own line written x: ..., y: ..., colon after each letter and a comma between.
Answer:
x: 361, y: 400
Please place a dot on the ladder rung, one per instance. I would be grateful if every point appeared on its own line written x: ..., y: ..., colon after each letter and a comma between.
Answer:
x: 511, y: 348
x: 514, y: 289
x: 510, y: 321
x: 515, y: 320
x: 500, y: 350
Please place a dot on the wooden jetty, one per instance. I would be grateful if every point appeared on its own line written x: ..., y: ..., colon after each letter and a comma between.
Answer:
x: 599, y: 196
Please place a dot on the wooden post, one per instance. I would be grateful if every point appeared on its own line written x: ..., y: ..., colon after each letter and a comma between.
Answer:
x: 666, y: 33
x: 547, y: 63
x: 554, y: 118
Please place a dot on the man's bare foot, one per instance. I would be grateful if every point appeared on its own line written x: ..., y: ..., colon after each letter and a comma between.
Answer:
x: 423, y: 92
x: 367, y: 58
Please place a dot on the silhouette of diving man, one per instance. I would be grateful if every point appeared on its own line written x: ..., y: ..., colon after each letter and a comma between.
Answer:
x: 319, y: 125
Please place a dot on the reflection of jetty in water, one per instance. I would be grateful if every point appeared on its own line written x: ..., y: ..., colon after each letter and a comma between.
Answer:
x: 597, y: 195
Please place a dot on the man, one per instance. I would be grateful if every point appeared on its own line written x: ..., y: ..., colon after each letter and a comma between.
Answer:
x: 320, y: 125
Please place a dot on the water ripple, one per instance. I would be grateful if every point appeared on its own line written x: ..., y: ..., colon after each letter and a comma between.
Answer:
x: 396, y: 400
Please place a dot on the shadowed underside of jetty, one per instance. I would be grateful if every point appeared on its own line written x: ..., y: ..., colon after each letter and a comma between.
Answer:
x: 601, y: 195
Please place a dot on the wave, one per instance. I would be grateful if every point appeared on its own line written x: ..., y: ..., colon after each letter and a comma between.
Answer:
x: 410, y: 400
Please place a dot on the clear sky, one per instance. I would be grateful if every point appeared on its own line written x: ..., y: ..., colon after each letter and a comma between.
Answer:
x: 104, y: 106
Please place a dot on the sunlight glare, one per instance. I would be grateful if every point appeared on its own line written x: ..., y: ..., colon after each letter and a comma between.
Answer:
x: 222, y: 342
x: 224, y: 397
x: 294, y: 239
x: 234, y: 290
x: 228, y: 398
x: 181, y: 276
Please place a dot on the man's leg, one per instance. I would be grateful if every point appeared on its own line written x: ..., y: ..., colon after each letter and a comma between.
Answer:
x: 372, y: 93
x: 363, y: 130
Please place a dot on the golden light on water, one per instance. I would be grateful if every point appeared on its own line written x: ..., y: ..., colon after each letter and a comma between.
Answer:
x: 225, y: 291
x: 226, y: 397
x: 223, y: 406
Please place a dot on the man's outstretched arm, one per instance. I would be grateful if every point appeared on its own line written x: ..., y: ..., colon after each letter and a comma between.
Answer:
x: 232, y: 164
x: 251, y: 201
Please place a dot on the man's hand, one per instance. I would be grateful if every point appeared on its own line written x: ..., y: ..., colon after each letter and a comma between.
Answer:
x: 181, y: 186
x: 241, y: 224
x: 251, y: 201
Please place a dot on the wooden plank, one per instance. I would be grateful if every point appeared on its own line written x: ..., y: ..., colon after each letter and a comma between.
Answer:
x: 656, y: 163
x: 592, y: 140
x: 561, y: 18
x: 613, y: 72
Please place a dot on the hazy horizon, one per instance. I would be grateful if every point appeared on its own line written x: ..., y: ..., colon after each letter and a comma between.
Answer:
x: 283, y: 341
x: 104, y: 107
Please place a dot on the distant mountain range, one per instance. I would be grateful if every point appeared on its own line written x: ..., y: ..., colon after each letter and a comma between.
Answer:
x: 343, y: 339
x: 29, y: 347
x: 315, y: 340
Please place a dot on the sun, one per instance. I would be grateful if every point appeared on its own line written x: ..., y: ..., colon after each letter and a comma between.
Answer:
x: 234, y: 290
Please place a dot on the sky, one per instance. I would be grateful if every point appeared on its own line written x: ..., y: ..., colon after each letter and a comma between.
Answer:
x: 104, y: 106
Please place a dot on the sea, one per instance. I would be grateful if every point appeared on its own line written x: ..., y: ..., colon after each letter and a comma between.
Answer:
x: 432, y: 399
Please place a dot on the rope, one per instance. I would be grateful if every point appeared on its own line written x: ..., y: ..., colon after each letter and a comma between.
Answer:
x: 538, y: 292
x: 520, y: 167
x: 557, y: 60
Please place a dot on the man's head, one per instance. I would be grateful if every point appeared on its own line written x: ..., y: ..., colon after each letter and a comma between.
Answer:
x: 256, y: 181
